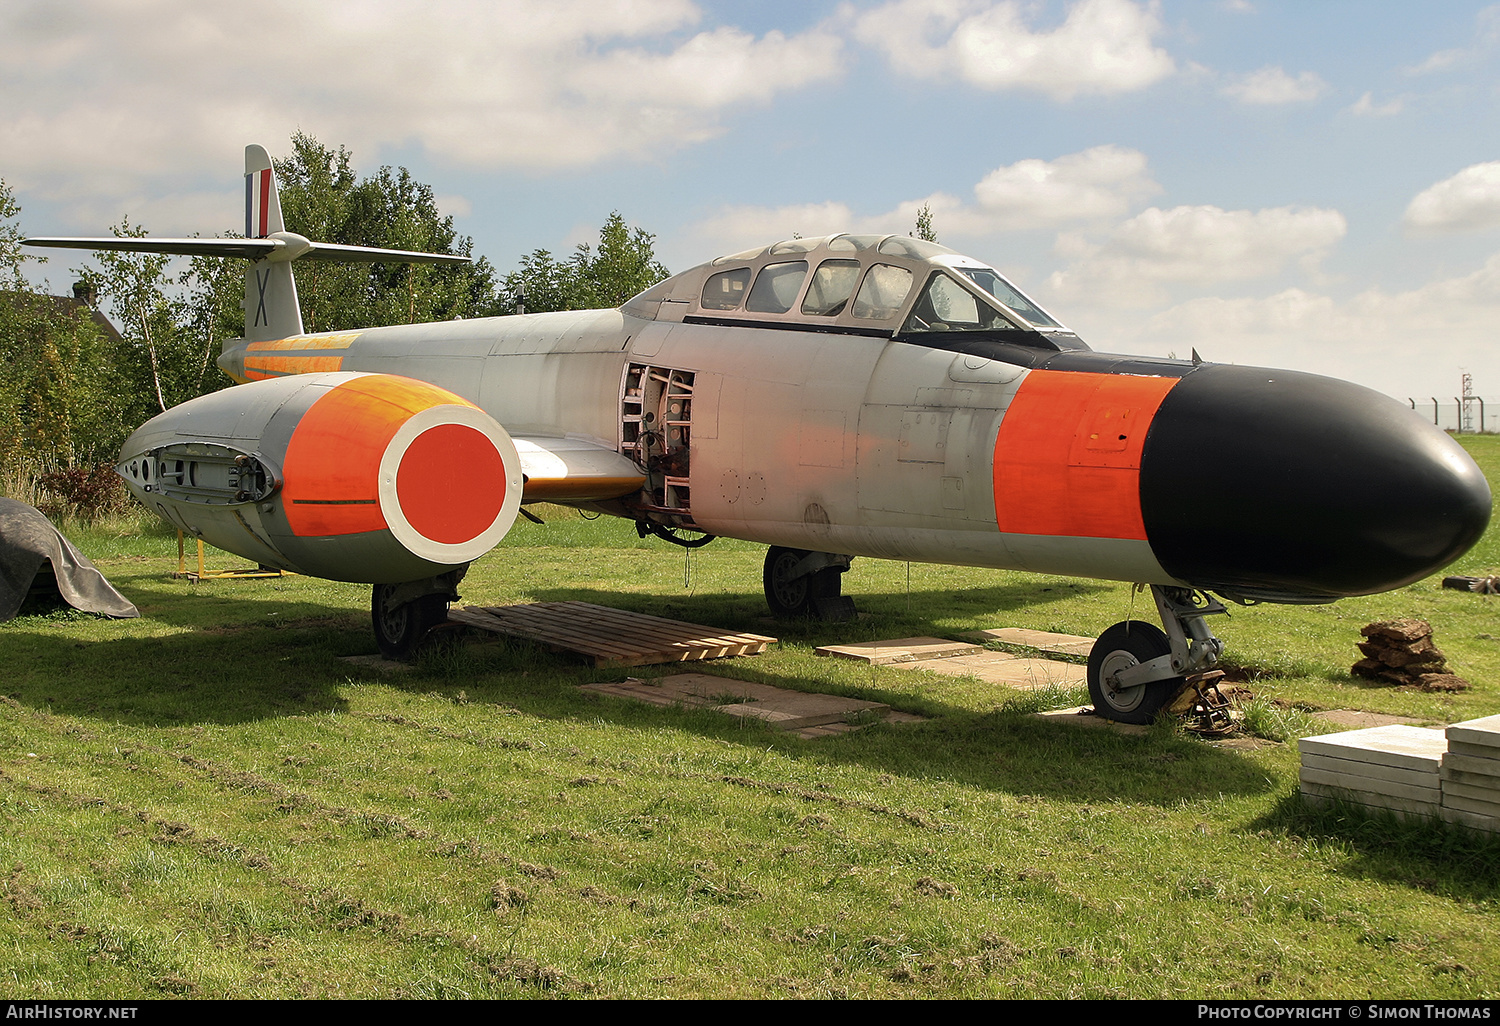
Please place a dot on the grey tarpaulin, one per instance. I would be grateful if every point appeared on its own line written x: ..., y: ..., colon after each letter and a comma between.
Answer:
x: 27, y: 540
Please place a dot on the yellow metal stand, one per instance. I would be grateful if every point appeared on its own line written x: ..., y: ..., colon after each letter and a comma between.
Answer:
x: 217, y: 575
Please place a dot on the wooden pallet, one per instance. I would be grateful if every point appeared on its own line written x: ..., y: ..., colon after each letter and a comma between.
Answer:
x: 610, y: 637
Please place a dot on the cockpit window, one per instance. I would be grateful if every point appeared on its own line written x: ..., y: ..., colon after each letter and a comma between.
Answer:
x: 795, y: 246
x: 946, y: 305
x: 725, y: 290
x: 735, y: 258
x: 917, y: 249
x: 776, y: 287
x: 884, y: 290
x: 832, y: 285
x: 1007, y: 294
x: 853, y: 243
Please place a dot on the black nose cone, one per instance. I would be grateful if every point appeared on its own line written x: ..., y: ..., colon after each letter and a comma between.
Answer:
x: 1278, y: 485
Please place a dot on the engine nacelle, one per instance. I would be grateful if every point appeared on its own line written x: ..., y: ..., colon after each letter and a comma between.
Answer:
x: 372, y: 478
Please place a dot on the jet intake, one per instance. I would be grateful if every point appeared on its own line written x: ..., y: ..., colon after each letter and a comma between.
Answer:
x: 372, y: 478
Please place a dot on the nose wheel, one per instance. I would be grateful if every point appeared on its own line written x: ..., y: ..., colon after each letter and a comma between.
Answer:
x: 1136, y: 668
x: 1125, y: 645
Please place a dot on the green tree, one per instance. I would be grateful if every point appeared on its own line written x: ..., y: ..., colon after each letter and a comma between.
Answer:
x: 324, y: 199
x: 58, y: 402
x: 158, y: 360
x: 212, y: 310
x: 623, y: 265
x: 11, y: 255
x: 924, y: 229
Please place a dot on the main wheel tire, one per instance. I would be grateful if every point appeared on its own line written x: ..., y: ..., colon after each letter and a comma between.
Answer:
x: 399, y: 629
x: 1126, y: 644
x: 790, y: 598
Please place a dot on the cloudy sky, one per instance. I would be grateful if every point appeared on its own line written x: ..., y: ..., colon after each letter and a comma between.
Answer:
x: 1305, y: 185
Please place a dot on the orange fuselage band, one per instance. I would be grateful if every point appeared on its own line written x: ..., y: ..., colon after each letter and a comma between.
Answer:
x: 1068, y: 454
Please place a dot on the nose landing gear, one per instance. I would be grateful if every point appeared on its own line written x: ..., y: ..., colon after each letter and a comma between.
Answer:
x: 1135, y: 668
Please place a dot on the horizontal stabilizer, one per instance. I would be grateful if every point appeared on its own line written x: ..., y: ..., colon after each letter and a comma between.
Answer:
x: 271, y: 307
x: 279, y: 247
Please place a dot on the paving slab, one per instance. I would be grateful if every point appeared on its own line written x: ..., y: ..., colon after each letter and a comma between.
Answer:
x: 1409, y: 810
x: 899, y: 650
x: 378, y: 663
x: 1395, y: 774
x: 1083, y: 716
x: 1472, y: 820
x: 1043, y: 641
x: 1353, y: 719
x: 802, y: 712
x: 1476, y: 772
x: 1483, y: 731
x: 1397, y: 744
x: 1462, y: 804
x: 1363, y: 787
x: 1473, y: 792
x: 1010, y: 670
x: 1480, y: 753
x: 1369, y: 798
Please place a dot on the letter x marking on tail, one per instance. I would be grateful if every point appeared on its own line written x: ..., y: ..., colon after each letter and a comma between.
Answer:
x: 261, y: 317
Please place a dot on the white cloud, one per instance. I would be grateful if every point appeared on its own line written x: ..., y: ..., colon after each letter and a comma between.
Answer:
x: 1485, y: 35
x: 129, y: 90
x: 1100, y: 183
x: 1102, y: 47
x: 1469, y: 201
x: 1375, y: 336
x: 1366, y: 106
x: 1272, y: 85
x: 1191, y: 245
x: 739, y: 227
x: 1442, y: 60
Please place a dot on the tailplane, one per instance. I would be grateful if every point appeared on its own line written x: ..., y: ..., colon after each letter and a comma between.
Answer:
x: 271, y: 310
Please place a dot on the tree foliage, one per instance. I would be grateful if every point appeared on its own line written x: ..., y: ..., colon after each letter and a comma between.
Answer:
x: 324, y: 199
x: 57, y: 403
x: 924, y: 229
x: 623, y: 265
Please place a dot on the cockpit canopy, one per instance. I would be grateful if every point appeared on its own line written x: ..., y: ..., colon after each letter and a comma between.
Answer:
x: 886, y: 285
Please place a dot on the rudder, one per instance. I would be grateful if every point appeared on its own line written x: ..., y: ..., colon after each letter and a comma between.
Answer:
x: 271, y: 309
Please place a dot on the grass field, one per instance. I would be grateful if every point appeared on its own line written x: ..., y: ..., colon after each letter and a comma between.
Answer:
x: 209, y: 802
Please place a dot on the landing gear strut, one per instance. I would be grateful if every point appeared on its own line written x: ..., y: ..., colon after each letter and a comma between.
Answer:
x: 1136, y: 668
x: 402, y: 614
x: 799, y: 583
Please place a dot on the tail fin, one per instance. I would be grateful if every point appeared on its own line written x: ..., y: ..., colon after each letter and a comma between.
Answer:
x: 271, y: 309
x: 262, y: 201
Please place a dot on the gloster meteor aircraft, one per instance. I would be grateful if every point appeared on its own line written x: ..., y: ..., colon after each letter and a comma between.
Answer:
x: 854, y: 395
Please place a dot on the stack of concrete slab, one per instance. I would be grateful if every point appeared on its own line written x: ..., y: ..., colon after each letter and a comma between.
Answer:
x: 1470, y: 774
x: 1393, y: 767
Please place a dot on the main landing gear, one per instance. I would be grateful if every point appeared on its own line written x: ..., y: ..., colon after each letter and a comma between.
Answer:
x: 1136, y: 668
x: 799, y: 583
x: 402, y: 614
